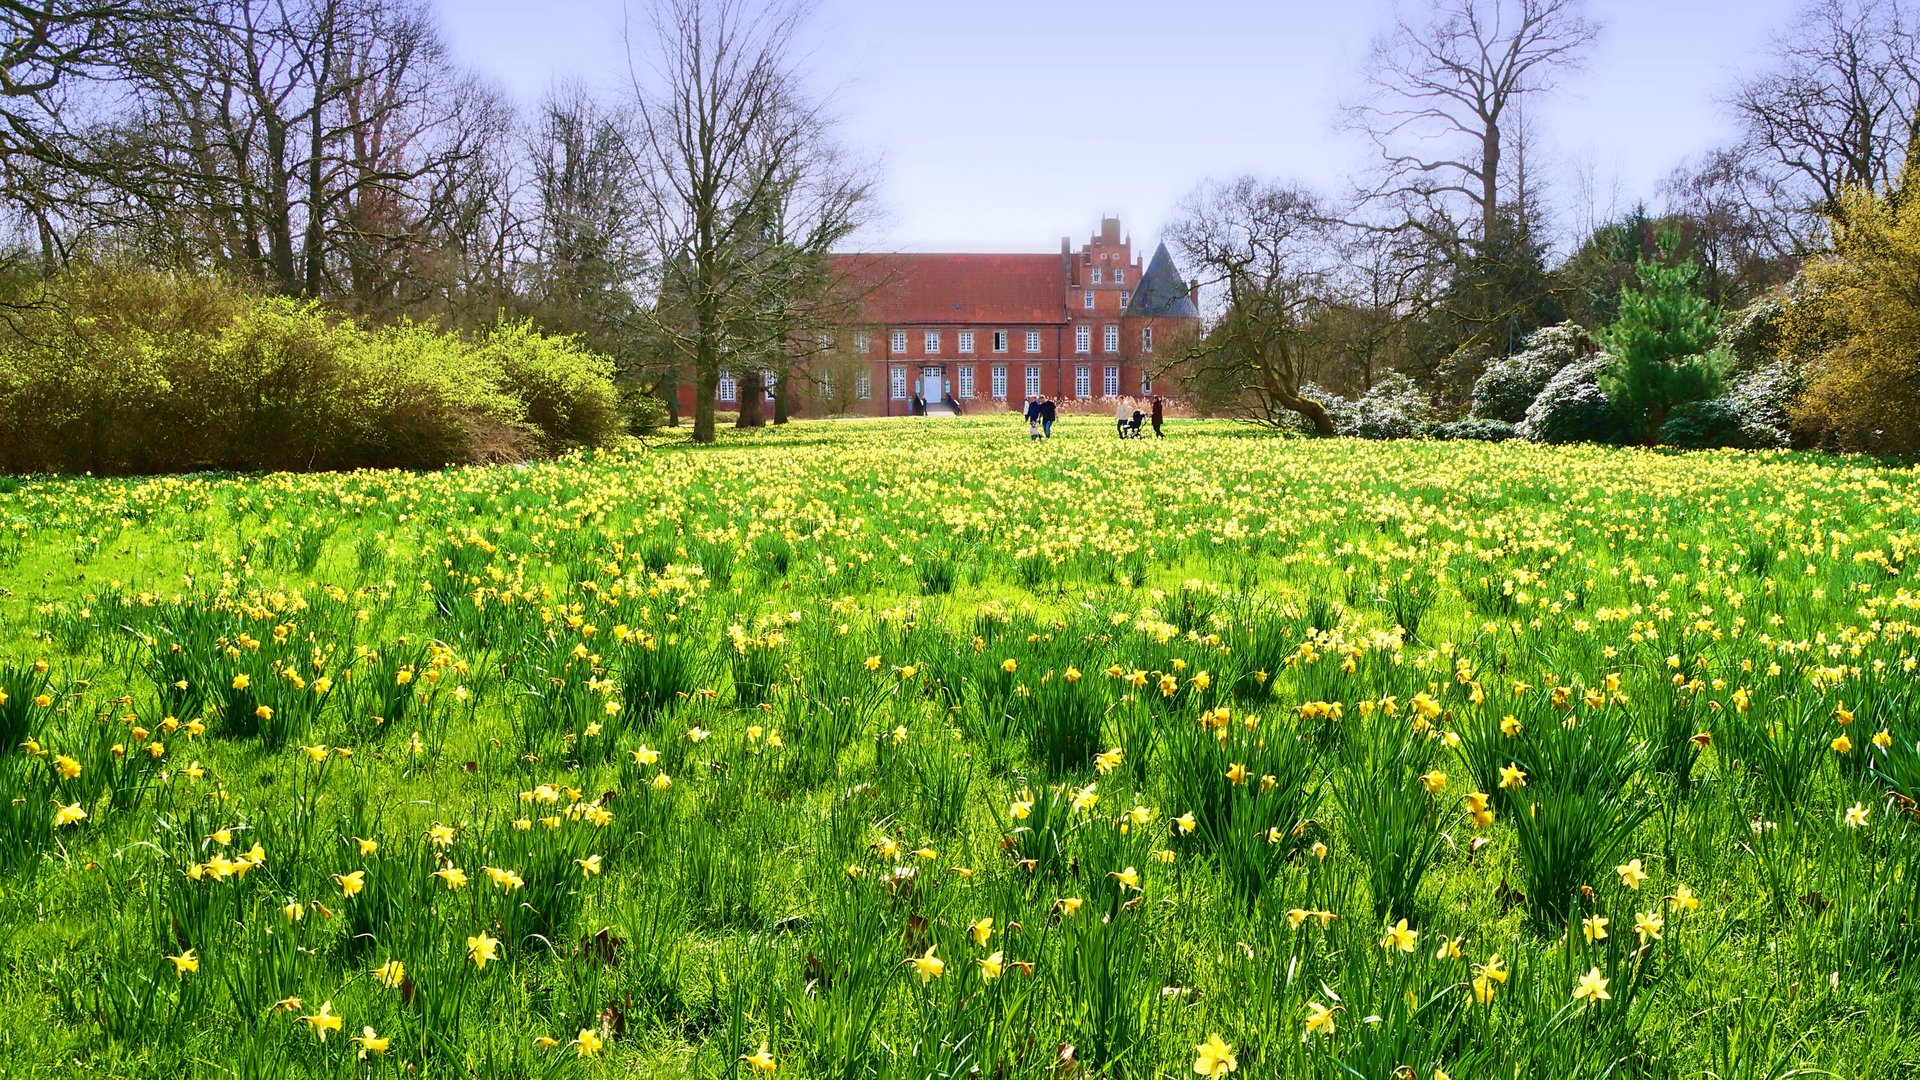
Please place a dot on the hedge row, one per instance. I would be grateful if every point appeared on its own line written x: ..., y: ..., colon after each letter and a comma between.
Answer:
x: 116, y: 370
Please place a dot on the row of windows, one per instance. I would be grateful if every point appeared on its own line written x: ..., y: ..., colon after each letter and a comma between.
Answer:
x: 1082, y: 340
x: 964, y: 387
x: 1119, y: 276
x: 932, y: 341
x: 730, y: 386
x: 1087, y: 295
x: 729, y: 389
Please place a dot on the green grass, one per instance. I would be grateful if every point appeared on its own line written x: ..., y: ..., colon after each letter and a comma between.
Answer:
x: 747, y: 730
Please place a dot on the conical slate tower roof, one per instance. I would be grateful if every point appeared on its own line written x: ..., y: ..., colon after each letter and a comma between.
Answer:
x: 1161, y: 293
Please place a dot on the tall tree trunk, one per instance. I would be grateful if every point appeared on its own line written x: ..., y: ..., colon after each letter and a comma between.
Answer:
x: 1489, y: 183
x: 752, y: 390
x: 780, y: 384
x: 706, y: 380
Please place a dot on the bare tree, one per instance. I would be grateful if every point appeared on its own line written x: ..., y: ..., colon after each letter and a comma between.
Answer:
x: 588, y: 255
x: 1838, y: 110
x: 1263, y: 252
x: 1378, y: 292
x: 744, y: 192
x: 50, y: 52
x: 1443, y: 92
x: 1734, y: 226
x: 298, y: 143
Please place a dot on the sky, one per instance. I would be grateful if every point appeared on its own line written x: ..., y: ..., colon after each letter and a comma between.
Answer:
x: 1003, y: 125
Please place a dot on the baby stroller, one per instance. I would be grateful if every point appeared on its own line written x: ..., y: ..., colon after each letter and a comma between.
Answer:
x: 1132, y: 430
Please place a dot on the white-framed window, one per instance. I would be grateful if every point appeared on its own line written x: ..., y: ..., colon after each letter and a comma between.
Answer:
x: 899, y: 341
x: 899, y: 381
x: 1120, y: 277
x: 966, y: 380
x: 1110, y: 381
x: 1033, y: 380
x: 1096, y: 275
x: 1000, y: 382
x: 1110, y: 339
x: 862, y: 343
x: 1125, y: 295
x: 824, y: 342
x: 1082, y: 381
x: 863, y: 387
x: 1146, y: 381
x: 1088, y: 301
x: 966, y: 342
x: 1033, y: 341
x: 729, y: 387
x: 1146, y: 339
x: 772, y: 383
x: 999, y: 341
x: 1083, y: 338
x: 933, y: 342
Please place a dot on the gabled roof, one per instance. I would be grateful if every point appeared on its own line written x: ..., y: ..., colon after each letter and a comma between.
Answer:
x: 961, y: 288
x: 1161, y: 293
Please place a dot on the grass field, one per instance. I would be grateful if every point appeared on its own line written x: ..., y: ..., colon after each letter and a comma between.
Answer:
x: 917, y: 749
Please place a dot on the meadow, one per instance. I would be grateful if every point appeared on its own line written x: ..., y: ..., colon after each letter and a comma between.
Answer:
x: 917, y: 749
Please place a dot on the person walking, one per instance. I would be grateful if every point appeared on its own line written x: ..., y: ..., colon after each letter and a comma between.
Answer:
x: 1048, y: 411
x: 1122, y: 412
x: 1159, y: 416
x: 1033, y: 418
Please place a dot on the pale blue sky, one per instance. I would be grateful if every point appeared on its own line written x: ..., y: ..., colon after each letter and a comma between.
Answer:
x: 1001, y: 125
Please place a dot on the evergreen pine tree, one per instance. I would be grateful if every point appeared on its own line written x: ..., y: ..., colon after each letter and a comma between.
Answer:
x: 1660, y: 348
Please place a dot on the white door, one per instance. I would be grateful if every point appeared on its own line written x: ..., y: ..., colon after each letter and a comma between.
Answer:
x: 930, y: 385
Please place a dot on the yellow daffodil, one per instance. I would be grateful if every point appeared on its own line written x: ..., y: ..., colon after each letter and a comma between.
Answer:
x: 1215, y: 1058
x: 323, y: 1021
x: 1399, y: 937
x: 928, y: 965
x: 991, y: 966
x: 761, y: 1060
x: 1648, y: 925
x: 1631, y: 873
x: 481, y: 948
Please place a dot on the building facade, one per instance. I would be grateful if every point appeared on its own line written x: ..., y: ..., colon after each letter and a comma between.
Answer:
x: 988, y: 331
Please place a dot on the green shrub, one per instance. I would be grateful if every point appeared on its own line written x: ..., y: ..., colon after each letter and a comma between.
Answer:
x: 1510, y: 383
x: 645, y: 413
x: 567, y: 392
x: 1572, y: 407
x: 1702, y: 425
x: 1661, y: 352
x: 1472, y: 428
x: 115, y: 370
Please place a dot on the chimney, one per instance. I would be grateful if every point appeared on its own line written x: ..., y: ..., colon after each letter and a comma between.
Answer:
x: 1193, y: 294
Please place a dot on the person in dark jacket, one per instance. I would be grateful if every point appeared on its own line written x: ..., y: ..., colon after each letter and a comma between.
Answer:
x: 1159, y: 416
x: 1047, y: 413
x: 1033, y: 417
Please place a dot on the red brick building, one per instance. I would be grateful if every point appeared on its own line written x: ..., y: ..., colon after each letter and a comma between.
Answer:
x: 987, y: 331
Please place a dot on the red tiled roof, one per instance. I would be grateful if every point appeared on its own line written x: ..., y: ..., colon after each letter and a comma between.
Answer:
x: 934, y: 289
